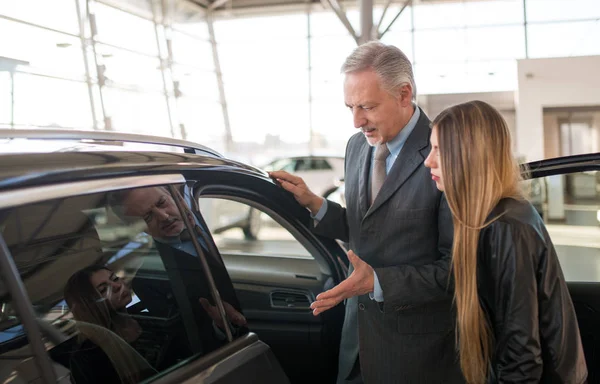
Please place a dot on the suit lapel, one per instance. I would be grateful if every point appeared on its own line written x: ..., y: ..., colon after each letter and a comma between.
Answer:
x: 363, y: 181
x: 410, y: 158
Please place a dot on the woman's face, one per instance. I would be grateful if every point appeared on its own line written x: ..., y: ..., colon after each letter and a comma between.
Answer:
x: 112, y: 288
x: 433, y: 161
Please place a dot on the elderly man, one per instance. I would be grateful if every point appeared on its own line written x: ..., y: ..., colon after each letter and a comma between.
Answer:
x: 157, y: 207
x: 399, y: 325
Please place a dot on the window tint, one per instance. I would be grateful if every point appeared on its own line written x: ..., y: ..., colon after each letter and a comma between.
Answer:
x: 570, y: 206
x: 119, y: 274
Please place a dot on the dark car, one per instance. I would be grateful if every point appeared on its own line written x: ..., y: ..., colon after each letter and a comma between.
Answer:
x: 57, y: 216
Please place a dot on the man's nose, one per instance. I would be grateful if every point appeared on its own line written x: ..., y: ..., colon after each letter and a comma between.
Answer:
x: 359, y: 119
x: 162, y: 214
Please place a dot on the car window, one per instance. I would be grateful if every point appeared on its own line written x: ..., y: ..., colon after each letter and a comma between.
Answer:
x: 119, y: 275
x: 287, y: 165
x: 239, y: 228
x: 570, y: 207
x: 321, y: 165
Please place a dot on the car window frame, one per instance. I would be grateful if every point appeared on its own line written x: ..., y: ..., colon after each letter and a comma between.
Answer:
x: 326, y: 260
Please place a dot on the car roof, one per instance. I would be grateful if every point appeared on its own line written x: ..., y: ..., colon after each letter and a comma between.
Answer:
x: 35, y: 169
x: 34, y: 157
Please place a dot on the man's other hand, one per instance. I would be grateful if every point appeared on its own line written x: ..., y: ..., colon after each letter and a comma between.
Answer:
x: 360, y: 282
x: 298, y: 188
x: 233, y: 315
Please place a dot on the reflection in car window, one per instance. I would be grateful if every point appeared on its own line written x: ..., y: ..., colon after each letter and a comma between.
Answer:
x: 570, y: 207
x: 119, y: 274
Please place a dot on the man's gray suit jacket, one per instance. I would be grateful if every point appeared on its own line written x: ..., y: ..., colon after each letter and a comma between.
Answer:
x: 406, y: 236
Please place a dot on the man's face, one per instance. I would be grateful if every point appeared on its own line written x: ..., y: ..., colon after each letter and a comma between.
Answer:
x: 379, y: 114
x: 156, y: 206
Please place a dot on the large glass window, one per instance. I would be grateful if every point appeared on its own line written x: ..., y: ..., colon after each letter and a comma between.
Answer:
x: 560, y: 10
x: 48, y: 102
x: 126, y: 68
x: 124, y: 29
x: 138, y: 112
x: 192, y: 51
x: 57, y: 14
x: 578, y: 38
x: 41, y: 50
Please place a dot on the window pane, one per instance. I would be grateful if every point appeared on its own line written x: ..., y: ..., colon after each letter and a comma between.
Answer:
x: 203, y: 121
x: 5, y: 97
x: 131, y: 288
x: 448, y: 45
x: 327, y: 86
x: 196, y: 52
x: 484, y: 76
x: 196, y: 83
x: 276, y: 57
x: 327, y: 24
x: 258, y: 28
x: 48, y: 102
x: 496, y: 43
x: 44, y: 51
x: 123, y: 67
x: 285, y: 123
x: 332, y: 125
x: 240, y: 229
x: 570, y: 206
x: 329, y: 53
x: 495, y: 12
x: 402, y: 23
x: 144, y: 113
x: 439, y: 15
x: 564, y: 39
x: 125, y: 30
x: 552, y: 10
x: 57, y: 14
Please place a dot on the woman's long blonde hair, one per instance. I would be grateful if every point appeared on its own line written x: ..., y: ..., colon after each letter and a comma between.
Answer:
x: 478, y: 170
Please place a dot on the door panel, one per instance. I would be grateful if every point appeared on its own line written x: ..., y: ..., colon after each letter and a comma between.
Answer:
x: 276, y: 275
x: 245, y: 360
x: 569, y: 203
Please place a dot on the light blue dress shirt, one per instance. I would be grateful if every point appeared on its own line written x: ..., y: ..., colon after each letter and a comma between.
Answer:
x: 395, y: 146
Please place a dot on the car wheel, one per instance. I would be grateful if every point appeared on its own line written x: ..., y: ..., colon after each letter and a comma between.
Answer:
x: 252, y: 228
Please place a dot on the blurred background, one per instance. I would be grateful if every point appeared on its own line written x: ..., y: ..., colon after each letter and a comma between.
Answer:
x: 259, y: 79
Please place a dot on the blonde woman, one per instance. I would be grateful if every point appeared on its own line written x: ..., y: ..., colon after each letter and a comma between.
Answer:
x: 515, y: 318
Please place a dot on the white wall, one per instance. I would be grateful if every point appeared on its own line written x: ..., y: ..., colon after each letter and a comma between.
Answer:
x: 557, y: 82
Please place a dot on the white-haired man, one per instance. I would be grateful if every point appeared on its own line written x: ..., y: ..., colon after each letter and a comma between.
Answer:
x: 399, y: 325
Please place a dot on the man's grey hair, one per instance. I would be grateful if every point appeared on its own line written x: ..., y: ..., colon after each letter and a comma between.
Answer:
x: 389, y: 62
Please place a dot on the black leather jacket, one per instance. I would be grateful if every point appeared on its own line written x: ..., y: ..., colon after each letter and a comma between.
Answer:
x: 525, y: 296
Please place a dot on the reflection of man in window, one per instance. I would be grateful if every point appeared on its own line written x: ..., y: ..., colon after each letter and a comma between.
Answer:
x: 157, y: 208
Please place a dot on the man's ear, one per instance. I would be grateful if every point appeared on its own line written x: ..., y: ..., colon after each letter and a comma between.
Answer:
x: 405, y: 95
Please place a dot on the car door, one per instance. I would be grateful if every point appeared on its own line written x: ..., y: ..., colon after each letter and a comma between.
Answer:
x: 566, y: 193
x: 278, y: 274
x: 52, y: 235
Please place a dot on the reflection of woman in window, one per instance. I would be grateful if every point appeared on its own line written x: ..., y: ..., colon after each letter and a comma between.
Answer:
x: 98, y: 299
